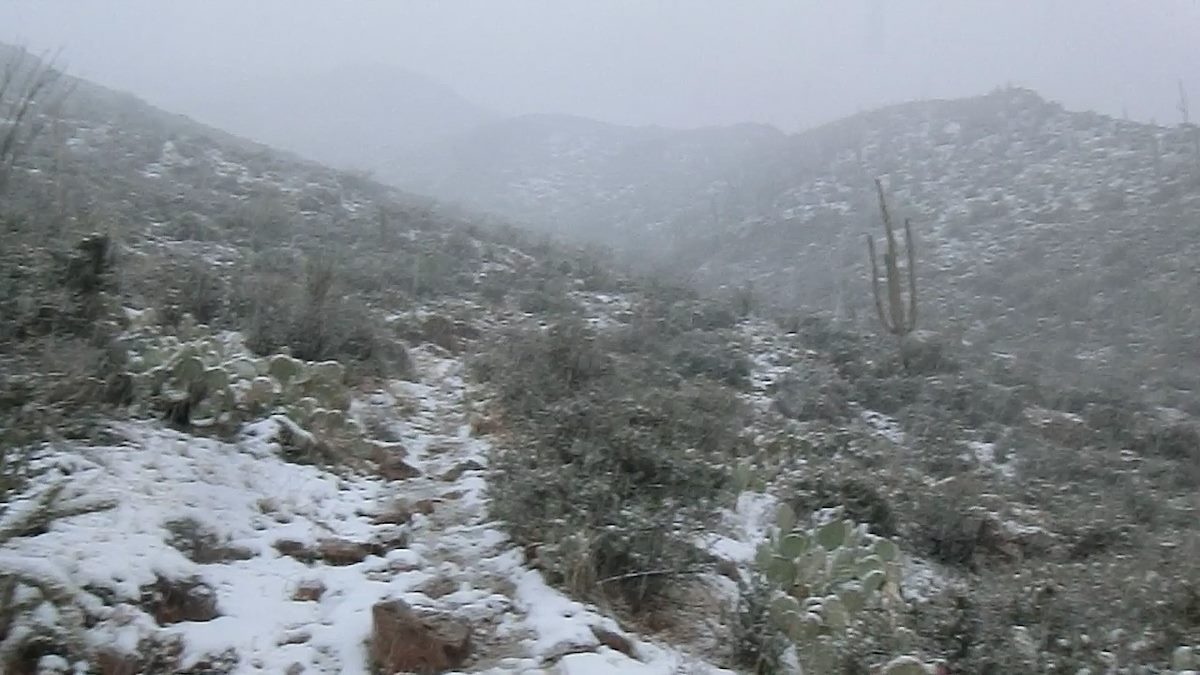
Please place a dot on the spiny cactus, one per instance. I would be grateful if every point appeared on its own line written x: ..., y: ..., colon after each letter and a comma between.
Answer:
x: 825, y: 577
x: 205, y: 380
x: 895, y: 319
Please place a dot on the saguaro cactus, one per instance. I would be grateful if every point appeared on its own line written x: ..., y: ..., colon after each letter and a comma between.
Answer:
x: 895, y: 318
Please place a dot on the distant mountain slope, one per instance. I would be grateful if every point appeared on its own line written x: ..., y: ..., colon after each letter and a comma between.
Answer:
x: 351, y: 116
x: 1065, y: 236
x: 603, y: 182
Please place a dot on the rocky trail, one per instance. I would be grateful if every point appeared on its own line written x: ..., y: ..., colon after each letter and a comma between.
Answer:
x: 198, y: 555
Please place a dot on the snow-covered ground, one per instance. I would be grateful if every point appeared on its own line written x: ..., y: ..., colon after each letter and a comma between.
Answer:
x: 451, y: 559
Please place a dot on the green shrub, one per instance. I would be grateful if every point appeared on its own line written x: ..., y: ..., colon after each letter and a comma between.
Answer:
x: 315, y: 326
x: 700, y: 353
x: 613, y: 473
x: 812, y: 391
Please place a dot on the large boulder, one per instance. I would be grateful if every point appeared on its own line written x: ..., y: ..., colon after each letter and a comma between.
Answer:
x: 404, y: 641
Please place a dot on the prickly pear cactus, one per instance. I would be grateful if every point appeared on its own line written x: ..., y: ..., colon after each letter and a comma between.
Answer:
x: 208, y: 380
x: 826, y: 578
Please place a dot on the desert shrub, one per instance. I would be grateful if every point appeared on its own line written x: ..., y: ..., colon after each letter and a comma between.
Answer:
x: 859, y: 498
x: 813, y: 391
x: 926, y: 354
x: 703, y: 315
x: 888, y: 395
x: 702, y: 353
x: 191, y: 287
x: 950, y: 525
x: 52, y: 291
x: 758, y: 644
x: 315, y: 323
x: 1054, y: 617
x: 192, y: 226
x: 972, y: 401
x: 549, y: 298
x: 1172, y: 440
x: 541, y: 366
x: 613, y: 474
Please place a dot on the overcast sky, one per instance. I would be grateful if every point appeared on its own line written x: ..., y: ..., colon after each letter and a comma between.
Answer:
x: 793, y: 63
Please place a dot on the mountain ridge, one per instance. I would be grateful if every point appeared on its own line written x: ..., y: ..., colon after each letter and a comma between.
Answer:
x: 787, y: 213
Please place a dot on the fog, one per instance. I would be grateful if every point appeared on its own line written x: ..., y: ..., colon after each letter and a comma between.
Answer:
x: 785, y: 62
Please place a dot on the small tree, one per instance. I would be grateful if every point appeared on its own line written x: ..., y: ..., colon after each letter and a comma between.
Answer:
x: 30, y: 88
x: 894, y: 318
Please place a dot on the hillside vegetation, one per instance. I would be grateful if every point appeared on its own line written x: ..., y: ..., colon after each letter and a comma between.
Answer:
x: 258, y: 415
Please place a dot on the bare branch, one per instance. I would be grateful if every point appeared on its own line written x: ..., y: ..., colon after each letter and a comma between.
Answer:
x: 31, y: 91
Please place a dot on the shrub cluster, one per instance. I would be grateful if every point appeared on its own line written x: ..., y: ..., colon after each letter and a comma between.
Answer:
x: 621, y: 460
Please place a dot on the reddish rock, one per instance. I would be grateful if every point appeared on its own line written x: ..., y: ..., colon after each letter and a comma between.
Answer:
x: 295, y: 549
x: 395, y: 468
x: 332, y: 551
x: 176, y: 600
x: 614, y: 641
x: 404, y: 642
x: 342, y: 552
x: 389, y: 457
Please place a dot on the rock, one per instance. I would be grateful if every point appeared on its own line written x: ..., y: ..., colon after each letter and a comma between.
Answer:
x: 568, y: 647
x: 343, y: 552
x: 401, y: 512
x: 403, y: 641
x: 176, y: 600
x: 294, y: 637
x: 905, y: 665
x: 295, y: 549
x: 438, y: 587
x: 332, y: 551
x: 614, y: 641
x: 461, y: 468
x: 1184, y: 658
x: 448, y: 334
x: 729, y: 569
x: 294, y: 669
x: 381, y: 450
x: 309, y: 590
x: 395, y: 468
x: 391, y: 539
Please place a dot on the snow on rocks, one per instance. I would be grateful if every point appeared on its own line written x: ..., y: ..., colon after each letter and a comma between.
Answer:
x: 297, y: 565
